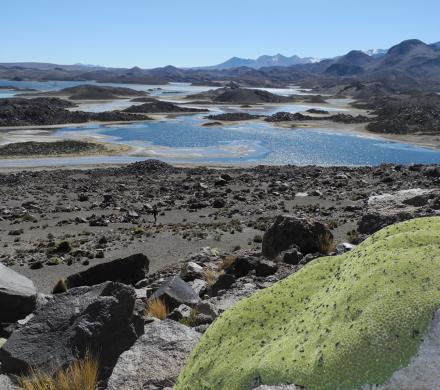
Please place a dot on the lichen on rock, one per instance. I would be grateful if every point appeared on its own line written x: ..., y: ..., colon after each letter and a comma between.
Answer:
x: 341, y: 322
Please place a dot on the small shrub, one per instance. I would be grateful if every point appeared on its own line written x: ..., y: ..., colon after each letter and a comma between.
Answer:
x: 60, y: 287
x: 63, y: 247
x: 190, y: 321
x: 55, y: 260
x: 157, y: 308
x: 258, y: 238
x: 82, y: 374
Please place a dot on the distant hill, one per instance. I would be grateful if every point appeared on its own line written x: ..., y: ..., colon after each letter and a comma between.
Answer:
x: 262, y: 62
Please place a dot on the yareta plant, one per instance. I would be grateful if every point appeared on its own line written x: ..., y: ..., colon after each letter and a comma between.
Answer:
x: 339, y: 323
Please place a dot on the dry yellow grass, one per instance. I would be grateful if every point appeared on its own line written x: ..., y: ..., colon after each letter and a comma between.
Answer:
x: 210, y: 276
x: 82, y: 374
x: 157, y: 308
x: 326, y: 244
x: 227, y: 261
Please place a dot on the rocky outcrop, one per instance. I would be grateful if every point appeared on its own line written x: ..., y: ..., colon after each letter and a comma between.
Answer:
x: 7, y: 384
x: 288, y: 231
x: 18, y: 295
x: 158, y: 106
x: 128, y: 270
x: 155, y: 360
x: 175, y: 292
x: 339, y: 118
x: 52, y: 111
x: 386, y: 209
x: 98, y: 318
x: 233, y: 116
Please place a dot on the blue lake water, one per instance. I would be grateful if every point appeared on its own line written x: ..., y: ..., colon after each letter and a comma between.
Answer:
x: 184, y: 140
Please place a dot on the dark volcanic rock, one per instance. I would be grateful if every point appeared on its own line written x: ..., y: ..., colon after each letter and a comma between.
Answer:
x: 155, y: 360
x: 223, y: 283
x: 288, y: 230
x: 128, y: 270
x: 98, y: 318
x: 17, y: 295
x: 159, y: 106
x: 242, y: 266
x: 175, y: 292
x: 266, y: 268
x: 233, y: 116
x: 33, y: 148
x: 340, y: 118
x: 406, y: 115
x: 372, y: 222
x: 52, y: 111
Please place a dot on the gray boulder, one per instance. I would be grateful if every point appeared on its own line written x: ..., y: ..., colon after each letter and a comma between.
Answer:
x: 98, y: 318
x: 18, y: 295
x: 387, y: 209
x: 175, y: 292
x: 289, y: 231
x: 156, y: 359
x: 7, y: 384
x: 128, y: 270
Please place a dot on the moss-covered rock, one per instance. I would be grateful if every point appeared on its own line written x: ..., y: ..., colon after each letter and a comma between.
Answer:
x: 339, y: 323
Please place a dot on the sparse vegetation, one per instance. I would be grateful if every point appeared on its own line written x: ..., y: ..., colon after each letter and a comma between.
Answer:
x: 228, y: 260
x: 191, y: 320
x: 157, y: 308
x: 210, y: 276
x: 326, y: 244
x: 63, y: 247
x: 82, y: 374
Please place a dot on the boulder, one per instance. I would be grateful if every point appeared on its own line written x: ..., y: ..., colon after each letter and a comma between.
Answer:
x: 242, y: 266
x: 155, y: 360
x: 386, y: 209
x: 223, y: 282
x: 199, y: 286
x: 18, y: 295
x: 98, y: 318
x: 191, y: 271
x: 175, y: 292
x: 7, y: 384
x: 128, y: 270
x: 288, y: 230
x: 292, y: 256
x: 208, y: 309
x: 367, y: 319
x: 266, y: 268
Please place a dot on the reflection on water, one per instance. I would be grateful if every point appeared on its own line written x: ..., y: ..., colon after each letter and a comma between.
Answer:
x: 183, y: 139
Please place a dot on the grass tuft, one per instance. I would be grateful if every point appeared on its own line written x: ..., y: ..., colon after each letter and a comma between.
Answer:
x: 82, y: 374
x: 326, y: 244
x: 157, y: 308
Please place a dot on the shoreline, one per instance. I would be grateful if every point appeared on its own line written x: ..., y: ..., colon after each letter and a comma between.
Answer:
x: 38, y: 133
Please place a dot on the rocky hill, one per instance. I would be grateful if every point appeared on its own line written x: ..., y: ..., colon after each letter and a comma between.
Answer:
x: 52, y: 111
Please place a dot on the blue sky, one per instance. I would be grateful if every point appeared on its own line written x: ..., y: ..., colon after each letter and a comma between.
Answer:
x: 195, y: 32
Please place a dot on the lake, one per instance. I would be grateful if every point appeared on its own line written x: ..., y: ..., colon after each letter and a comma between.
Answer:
x: 184, y: 140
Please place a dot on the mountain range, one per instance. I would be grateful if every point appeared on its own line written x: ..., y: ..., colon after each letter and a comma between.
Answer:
x: 411, y: 64
x: 262, y: 62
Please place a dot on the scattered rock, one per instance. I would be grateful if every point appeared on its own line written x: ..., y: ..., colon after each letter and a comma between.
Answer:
x: 18, y: 295
x: 99, y: 318
x: 288, y: 230
x: 128, y: 270
x: 155, y: 360
x: 175, y: 292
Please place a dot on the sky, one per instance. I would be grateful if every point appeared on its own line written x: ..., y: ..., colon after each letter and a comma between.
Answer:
x: 184, y: 33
